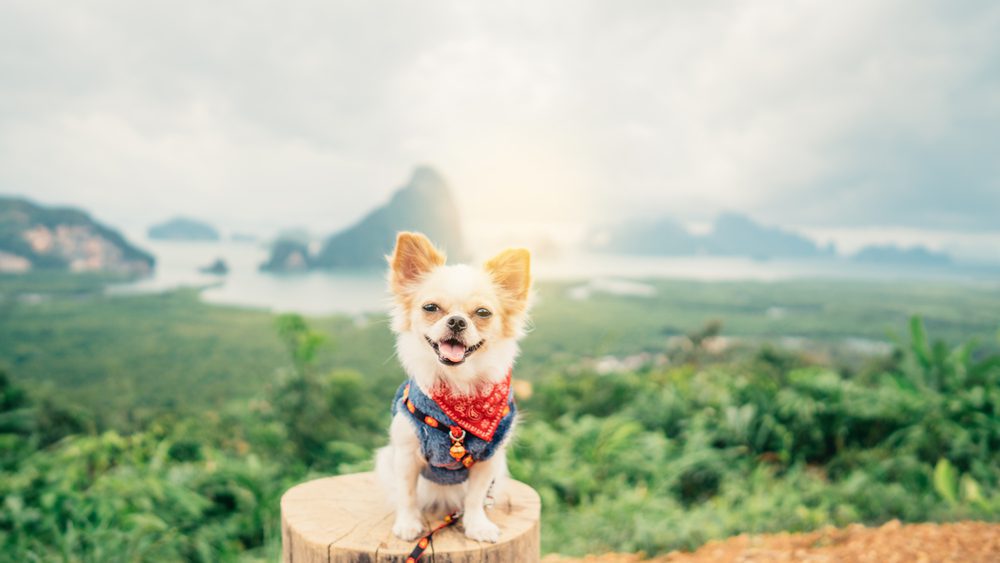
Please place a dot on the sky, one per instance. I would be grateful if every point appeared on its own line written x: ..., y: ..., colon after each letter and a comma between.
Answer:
x: 830, y: 117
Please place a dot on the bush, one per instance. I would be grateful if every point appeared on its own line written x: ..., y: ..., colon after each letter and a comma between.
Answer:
x: 675, y: 457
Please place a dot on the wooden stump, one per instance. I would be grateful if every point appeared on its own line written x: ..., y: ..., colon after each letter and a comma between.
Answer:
x: 348, y: 518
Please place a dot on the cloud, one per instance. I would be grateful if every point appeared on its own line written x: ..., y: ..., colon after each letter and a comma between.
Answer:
x: 259, y: 116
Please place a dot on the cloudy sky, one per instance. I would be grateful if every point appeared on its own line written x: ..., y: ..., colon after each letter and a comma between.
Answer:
x: 825, y: 115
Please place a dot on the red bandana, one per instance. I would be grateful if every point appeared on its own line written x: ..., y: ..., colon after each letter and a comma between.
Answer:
x: 478, y: 414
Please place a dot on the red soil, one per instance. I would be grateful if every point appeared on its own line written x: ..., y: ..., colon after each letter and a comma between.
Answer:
x: 965, y: 542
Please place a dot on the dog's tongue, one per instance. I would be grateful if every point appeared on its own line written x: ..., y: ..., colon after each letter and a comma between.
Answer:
x: 452, y: 351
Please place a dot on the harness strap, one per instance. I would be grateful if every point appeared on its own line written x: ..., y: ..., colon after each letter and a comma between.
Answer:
x: 456, y: 433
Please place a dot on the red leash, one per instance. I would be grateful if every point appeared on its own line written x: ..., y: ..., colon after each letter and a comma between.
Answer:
x: 449, y: 520
x: 421, y: 546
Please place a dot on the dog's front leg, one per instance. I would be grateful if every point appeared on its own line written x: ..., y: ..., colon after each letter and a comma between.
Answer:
x: 481, y: 475
x: 406, y: 466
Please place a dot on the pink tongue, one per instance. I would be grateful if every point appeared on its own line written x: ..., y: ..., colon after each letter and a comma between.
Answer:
x: 453, y: 352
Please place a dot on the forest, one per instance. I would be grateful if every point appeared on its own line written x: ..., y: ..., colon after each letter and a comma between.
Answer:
x: 157, y: 427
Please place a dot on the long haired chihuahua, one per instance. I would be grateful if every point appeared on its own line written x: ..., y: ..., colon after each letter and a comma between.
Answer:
x: 457, y: 329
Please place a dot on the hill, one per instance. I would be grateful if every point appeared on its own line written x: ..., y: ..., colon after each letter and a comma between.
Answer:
x: 656, y: 237
x: 738, y: 235
x: 182, y: 228
x: 33, y: 237
x: 732, y: 234
x: 424, y: 204
x: 890, y: 254
x: 287, y: 255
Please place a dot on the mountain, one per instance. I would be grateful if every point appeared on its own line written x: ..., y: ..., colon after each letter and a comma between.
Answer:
x: 891, y: 254
x: 424, y: 204
x: 738, y: 235
x: 33, y: 237
x: 217, y: 268
x: 243, y: 237
x: 182, y: 228
x: 731, y: 235
x: 662, y: 236
x: 287, y: 255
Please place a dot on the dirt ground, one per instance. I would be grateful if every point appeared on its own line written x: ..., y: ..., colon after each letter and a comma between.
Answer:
x: 962, y: 542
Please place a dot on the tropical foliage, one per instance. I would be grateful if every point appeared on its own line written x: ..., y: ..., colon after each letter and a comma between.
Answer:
x: 668, y: 458
x: 694, y: 441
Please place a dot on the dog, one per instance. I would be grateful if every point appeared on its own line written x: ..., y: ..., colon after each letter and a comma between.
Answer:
x: 457, y: 329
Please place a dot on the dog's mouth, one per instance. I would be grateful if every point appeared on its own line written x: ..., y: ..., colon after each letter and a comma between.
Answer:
x: 452, y: 351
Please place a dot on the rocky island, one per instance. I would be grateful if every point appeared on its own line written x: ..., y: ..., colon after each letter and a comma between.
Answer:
x: 34, y: 237
x: 424, y: 204
x: 182, y: 228
x: 731, y: 234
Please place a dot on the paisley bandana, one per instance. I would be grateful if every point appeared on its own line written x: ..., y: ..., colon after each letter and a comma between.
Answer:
x: 477, y: 414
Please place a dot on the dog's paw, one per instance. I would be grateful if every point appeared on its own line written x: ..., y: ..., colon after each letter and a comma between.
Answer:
x: 482, y: 529
x: 407, y: 527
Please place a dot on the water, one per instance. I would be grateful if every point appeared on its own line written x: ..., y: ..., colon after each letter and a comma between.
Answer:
x: 178, y: 264
x: 365, y: 291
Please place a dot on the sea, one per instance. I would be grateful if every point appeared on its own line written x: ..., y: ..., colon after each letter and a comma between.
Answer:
x: 179, y: 264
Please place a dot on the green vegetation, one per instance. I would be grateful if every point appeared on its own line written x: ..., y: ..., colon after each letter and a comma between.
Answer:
x: 674, y: 457
x: 160, y: 428
x: 125, y: 358
x: 194, y: 488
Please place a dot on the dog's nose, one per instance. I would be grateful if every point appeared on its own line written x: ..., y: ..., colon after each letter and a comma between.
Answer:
x: 457, y: 323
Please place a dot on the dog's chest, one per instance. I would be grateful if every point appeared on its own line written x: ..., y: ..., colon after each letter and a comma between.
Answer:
x: 436, y: 446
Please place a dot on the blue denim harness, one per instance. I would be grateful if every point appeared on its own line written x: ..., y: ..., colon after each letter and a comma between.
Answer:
x: 435, y: 445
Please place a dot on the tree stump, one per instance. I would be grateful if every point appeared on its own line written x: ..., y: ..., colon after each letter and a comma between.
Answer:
x: 348, y: 518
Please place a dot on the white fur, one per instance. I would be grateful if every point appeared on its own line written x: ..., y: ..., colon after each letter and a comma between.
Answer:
x: 448, y: 286
x: 398, y: 465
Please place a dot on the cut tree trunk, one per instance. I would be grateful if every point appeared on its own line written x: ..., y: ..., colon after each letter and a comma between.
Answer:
x: 348, y: 518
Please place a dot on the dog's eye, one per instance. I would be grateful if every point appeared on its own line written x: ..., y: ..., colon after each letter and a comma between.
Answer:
x: 483, y: 313
x: 431, y: 308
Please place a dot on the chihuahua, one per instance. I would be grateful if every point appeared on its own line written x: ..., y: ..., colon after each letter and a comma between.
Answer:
x: 457, y: 329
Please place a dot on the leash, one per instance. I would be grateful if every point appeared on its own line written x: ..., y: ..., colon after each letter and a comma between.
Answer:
x: 449, y: 520
x: 421, y: 547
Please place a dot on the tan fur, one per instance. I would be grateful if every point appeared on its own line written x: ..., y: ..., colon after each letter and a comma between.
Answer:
x: 511, y: 271
x: 413, y: 256
x: 418, y: 276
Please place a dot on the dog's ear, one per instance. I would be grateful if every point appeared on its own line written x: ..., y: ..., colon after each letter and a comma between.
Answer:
x: 511, y: 271
x: 413, y: 257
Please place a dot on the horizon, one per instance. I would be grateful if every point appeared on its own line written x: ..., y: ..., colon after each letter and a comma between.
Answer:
x: 962, y: 246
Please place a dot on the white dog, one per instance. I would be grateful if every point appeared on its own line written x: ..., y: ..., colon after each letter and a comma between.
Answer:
x: 457, y: 329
